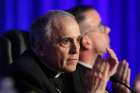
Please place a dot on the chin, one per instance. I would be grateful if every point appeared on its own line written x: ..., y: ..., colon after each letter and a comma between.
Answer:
x: 70, y: 69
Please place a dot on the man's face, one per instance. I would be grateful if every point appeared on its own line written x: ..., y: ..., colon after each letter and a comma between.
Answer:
x: 98, y: 32
x: 64, y: 51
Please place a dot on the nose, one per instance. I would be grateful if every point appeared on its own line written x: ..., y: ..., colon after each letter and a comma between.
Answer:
x: 74, y: 48
x: 106, y: 30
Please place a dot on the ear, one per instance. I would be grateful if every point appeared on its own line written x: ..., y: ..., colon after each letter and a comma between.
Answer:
x: 86, y: 43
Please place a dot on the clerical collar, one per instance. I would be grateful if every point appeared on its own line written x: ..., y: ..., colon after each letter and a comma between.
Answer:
x: 85, y: 65
x: 51, y: 72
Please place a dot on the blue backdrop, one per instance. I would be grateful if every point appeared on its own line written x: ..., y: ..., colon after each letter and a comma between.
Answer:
x: 121, y: 15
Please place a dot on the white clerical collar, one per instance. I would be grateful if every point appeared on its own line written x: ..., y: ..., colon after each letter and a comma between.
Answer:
x: 85, y: 65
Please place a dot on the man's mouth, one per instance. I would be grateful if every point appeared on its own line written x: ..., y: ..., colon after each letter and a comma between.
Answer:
x: 72, y: 60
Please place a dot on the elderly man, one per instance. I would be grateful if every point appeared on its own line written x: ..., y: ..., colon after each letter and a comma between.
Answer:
x: 95, y: 42
x: 55, y: 50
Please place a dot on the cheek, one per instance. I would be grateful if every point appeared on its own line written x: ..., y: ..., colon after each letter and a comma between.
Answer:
x: 107, y: 40
x: 104, y: 38
x: 62, y: 55
x: 100, y: 43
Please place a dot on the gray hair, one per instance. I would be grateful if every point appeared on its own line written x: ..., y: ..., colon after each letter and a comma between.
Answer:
x: 41, y: 29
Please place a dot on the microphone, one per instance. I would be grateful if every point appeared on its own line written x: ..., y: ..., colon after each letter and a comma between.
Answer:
x: 115, y: 80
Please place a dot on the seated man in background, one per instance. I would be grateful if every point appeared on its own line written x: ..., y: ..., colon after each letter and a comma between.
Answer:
x: 94, y: 43
x: 54, y: 50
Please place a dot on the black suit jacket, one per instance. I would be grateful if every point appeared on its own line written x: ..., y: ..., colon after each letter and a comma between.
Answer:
x: 78, y: 78
x: 30, y: 75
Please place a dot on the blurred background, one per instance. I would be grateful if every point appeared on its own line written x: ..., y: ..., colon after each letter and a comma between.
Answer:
x: 122, y: 16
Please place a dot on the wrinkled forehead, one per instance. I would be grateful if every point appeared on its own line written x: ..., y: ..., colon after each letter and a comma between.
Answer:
x: 66, y: 27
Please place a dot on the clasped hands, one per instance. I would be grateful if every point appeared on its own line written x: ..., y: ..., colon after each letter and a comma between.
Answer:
x: 96, y: 79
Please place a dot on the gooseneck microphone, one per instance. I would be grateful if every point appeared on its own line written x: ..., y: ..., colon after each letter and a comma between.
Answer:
x: 115, y: 80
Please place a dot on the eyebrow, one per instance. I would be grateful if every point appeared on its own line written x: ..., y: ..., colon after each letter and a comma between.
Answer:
x: 65, y: 37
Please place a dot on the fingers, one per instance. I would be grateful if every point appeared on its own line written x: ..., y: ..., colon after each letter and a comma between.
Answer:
x: 106, y: 71
x: 110, y: 52
x: 123, y: 75
x: 128, y: 77
x: 112, y: 55
x: 99, y: 58
x: 101, y: 69
x: 118, y: 88
x: 113, y: 61
x: 103, y: 78
x: 98, y: 77
x: 123, y: 72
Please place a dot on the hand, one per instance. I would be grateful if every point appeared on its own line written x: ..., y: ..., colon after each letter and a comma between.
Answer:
x: 96, y: 79
x: 113, y: 61
x: 122, y: 75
